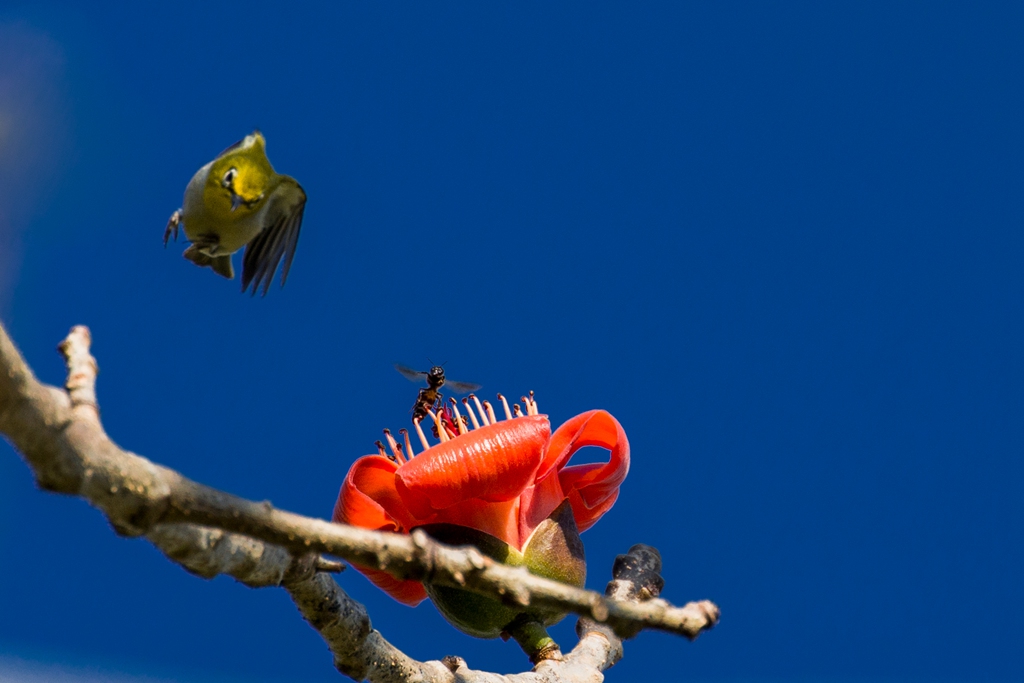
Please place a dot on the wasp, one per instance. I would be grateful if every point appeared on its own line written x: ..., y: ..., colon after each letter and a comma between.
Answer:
x: 431, y: 397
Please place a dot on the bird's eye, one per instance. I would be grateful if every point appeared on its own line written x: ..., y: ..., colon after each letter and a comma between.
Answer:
x: 229, y: 177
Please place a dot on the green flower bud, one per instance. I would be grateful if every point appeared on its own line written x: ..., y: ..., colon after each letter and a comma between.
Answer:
x: 554, y: 551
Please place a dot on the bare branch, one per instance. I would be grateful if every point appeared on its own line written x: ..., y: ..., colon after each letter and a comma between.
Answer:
x: 210, y: 532
x: 208, y: 552
x: 360, y: 651
x: 419, y: 558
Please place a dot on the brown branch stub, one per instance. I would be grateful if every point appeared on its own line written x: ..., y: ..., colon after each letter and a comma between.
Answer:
x: 637, y: 574
x: 637, y: 578
x: 82, y: 371
x: 453, y: 662
x: 322, y: 564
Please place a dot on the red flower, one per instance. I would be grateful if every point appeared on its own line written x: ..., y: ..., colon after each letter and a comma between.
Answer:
x: 501, y: 477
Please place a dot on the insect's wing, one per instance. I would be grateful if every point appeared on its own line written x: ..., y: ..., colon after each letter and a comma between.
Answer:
x: 410, y: 374
x: 462, y: 387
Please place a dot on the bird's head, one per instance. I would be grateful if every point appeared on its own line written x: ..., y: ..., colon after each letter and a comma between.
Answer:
x: 240, y: 177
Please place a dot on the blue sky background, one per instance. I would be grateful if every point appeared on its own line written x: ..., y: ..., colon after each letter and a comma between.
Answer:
x: 781, y: 242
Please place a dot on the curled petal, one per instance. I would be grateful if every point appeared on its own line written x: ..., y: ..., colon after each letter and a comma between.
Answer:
x: 586, y: 509
x: 494, y: 463
x: 591, y: 489
x: 368, y: 497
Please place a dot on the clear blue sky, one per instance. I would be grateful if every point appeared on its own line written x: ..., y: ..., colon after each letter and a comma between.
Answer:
x: 781, y: 242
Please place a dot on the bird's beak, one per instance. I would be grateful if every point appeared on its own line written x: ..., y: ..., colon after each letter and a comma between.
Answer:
x: 236, y: 201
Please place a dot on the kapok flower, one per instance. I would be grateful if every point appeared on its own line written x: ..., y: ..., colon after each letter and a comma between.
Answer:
x: 503, y: 478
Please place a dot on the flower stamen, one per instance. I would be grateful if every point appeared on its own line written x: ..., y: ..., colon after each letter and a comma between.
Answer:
x: 408, y: 446
x: 490, y: 412
x: 508, y: 414
x: 450, y: 423
x: 442, y: 433
x: 472, y: 415
x: 530, y: 403
x: 480, y: 408
x: 397, y: 457
x: 460, y: 422
x: 423, y: 437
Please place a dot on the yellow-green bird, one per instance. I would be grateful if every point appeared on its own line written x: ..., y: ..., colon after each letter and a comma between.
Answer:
x: 235, y: 201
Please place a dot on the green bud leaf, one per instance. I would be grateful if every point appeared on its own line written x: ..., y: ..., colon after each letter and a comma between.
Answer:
x: 555, y: 549
x: 469, y: 612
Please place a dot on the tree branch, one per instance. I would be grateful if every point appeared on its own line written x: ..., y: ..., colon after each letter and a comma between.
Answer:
x: 209, y: 532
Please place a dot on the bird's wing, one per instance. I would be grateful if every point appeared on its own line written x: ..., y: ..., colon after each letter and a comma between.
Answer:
x: 410, y: 374
x: 277, y: 238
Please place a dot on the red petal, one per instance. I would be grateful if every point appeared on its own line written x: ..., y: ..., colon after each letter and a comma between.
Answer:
x: 368, y: 498
x: 591, y: 489
x: 497, y: 519
x: 536, y: 503
x: 406, y: 592
x: 493, y: 463
x: 588, y: 516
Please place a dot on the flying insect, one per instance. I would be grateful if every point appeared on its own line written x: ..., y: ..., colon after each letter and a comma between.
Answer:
x: 431, y: 397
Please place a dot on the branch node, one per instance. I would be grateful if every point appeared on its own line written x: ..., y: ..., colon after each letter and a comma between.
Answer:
x: 549, y: 653
x: 329, y: 566
x: 476, y: 559
x: 420, y: 539
x: 453, y: 663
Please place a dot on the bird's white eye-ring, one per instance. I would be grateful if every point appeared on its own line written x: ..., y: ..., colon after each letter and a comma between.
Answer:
x: 229, y: 177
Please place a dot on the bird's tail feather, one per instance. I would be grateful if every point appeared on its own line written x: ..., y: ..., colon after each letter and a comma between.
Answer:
x: 222, y: 266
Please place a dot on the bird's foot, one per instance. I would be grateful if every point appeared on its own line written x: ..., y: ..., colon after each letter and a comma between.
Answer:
x: 172, y: 226
x: 208, y: 243
x: 196, y: 256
